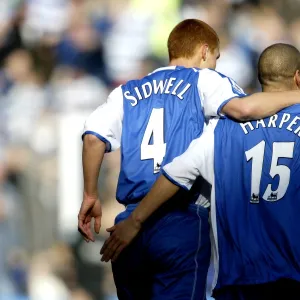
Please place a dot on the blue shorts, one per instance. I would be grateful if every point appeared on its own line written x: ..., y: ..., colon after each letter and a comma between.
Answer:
x: 168, y: 260
x: 283, y: 289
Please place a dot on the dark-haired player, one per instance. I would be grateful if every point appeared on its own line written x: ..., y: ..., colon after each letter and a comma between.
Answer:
x: 153, y: 120
x: 254, y: 170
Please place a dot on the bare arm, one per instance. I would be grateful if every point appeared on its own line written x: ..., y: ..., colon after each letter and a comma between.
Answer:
x: 102, y: 133
x: 221, y: 94
x: 183, y: 171
x: 92, y: 156
x: 260, y: 105
x: 161, y: 192
x: 124, y: 232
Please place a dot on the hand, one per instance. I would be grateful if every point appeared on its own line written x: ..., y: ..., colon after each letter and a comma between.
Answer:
x: 90, y: 208
x: 121, y: 236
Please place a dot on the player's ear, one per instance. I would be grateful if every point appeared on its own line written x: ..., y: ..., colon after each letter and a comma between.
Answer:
x: 297, y: 78
x: 204, y: 52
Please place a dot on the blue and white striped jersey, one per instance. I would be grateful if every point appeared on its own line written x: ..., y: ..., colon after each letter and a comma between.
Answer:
x: 254, y: 169
x: 154, y: 119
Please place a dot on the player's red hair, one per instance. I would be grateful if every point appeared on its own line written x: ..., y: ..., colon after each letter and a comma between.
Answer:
x: 188, y: 35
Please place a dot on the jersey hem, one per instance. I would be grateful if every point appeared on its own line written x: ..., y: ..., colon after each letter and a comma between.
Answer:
x: 225, y: 102
x: 252, y: 281
x: 173, y: 180
x: 101, y: 138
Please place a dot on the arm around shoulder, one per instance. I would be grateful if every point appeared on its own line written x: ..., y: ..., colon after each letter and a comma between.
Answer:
x: 260, y: 105
x: 240, y: 109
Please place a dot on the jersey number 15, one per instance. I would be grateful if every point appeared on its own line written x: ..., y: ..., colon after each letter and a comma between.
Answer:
x: 256, y: 154
x: 154, y: 129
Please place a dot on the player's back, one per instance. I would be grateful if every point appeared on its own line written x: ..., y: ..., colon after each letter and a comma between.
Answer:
x: 257, y: 192
x: 162, y: 114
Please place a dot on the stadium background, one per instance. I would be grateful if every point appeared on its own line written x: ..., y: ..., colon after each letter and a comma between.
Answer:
x: 59, y: 60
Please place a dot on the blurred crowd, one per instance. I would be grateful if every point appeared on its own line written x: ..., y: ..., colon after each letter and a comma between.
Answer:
x: 59, y: 59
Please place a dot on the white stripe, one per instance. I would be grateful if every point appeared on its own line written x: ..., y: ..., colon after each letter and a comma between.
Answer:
x: 163, y: 68
x: 196, y: 256
x: 214, y: 241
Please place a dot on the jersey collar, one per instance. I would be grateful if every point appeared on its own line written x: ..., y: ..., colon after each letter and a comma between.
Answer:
x: 163, y: 69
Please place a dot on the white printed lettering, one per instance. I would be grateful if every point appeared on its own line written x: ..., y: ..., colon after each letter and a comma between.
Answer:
x: 138, y: 93
x: 294, y: 122
x: 272, y: 121
x: 176, y: 87
x: 129, y: 97
x: 148, y: 84
x: 260, y: 122
x: 180, y: 95
x: 159, y: 87
x: 284, y: 119
x: 243, y: 125
x: 167, y: 90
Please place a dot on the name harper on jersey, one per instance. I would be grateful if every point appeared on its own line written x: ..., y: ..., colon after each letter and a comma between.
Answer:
x: 157, y: 87
x: 274, y: 122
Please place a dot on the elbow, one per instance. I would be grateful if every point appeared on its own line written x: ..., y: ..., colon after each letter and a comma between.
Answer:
x: 90, y: 140
x: 245, y: 112
x: 239, y: 109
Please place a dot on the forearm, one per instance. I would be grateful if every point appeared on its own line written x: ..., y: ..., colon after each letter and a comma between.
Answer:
x: 161, y: 192
x: 260, y: 105
x: 264, y: 105
x: 92, y: 156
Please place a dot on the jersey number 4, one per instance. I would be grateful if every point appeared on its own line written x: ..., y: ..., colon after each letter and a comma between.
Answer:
x: 154, y: 129
x: 256, y: 154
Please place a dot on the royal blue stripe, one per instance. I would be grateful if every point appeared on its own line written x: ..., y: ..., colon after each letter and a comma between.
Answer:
x: 226, y: 101
x: 172, y: 180
x: 101, y: 138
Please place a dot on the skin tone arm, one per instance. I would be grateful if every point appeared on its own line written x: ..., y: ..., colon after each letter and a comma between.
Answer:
x: 260, y: 105
x: 256, y: 106
x: 92, y: 156
x: 124, y: 232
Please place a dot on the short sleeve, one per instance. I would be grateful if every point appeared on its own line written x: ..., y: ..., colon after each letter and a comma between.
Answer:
x: 216, y: 90
x: 106, y: 121
x: 195, y: 161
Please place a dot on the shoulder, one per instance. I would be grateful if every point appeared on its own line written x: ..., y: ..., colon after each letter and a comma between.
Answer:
x: 212, y: 78
x: 210, y: 74
x: 209, y: 78
x: 116, y: 93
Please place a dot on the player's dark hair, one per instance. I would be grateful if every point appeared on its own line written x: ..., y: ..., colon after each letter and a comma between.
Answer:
x: 278, y: 64
x: 189, y: 34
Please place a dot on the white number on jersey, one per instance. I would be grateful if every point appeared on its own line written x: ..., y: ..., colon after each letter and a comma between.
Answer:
x: 155, y: 129
x: 284, y: 150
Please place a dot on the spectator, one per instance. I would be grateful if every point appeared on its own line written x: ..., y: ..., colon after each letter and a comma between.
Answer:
x: 59, y: 59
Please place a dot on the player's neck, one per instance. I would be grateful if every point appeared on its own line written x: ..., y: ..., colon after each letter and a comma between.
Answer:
x: 184, y: 62
x: 278, y: 88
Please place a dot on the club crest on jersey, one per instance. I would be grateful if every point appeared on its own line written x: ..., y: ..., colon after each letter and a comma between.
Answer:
x: 254, y: 198
x: 272, y: 197
x: 157, y: 168
x: 236, y: 89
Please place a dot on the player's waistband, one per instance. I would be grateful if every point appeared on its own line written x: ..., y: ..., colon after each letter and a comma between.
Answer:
x: 195, y: 208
